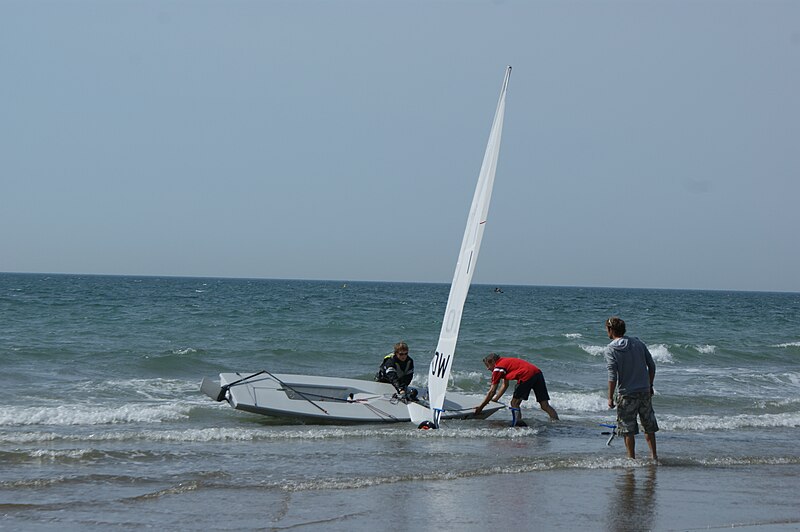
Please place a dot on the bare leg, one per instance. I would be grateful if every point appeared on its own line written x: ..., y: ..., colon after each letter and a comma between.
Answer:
x: 549, y: 409
x: 651, y: 441
x: 630, y: 445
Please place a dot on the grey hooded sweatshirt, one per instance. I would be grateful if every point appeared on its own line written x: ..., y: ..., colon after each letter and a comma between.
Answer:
x: 629, y: 365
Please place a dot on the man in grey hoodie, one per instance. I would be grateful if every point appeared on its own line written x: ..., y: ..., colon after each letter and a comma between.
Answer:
x: 631, y: 371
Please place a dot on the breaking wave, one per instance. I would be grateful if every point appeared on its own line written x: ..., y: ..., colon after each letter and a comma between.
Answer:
x: 92, y: 415
x: 788, y: 420
x: 660, y: 352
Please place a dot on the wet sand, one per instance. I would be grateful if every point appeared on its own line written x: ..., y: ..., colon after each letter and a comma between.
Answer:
x: 645, y: 497
x: 628, y: 499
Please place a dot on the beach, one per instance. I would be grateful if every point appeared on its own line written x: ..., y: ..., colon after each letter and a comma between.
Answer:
x: 104, y: 427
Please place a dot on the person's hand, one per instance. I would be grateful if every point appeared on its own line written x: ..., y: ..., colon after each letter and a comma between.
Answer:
x: 610, y: 403
x: 478, y: 410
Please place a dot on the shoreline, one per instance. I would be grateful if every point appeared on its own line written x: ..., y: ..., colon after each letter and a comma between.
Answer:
x: 641, y: 497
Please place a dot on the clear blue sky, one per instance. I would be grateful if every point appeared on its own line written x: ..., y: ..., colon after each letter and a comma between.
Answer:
x: 646, y: 144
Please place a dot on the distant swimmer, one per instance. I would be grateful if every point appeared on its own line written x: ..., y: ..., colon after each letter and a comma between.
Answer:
x: 498, y: 290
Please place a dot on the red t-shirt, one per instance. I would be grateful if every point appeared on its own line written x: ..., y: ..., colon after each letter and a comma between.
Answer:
x: 513, y: 369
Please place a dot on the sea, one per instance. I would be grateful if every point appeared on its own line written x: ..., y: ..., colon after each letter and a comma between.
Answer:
x: 103, y: 425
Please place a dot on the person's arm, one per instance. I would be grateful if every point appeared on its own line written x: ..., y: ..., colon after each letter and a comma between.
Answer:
x: 391, y: 375
x: 486, y: 399
x: 502, y: 390
x: 611, y: 366
x: 612, y: 385
x: 651, y: 369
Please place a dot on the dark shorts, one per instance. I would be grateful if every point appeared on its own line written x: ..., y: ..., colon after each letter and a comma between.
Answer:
x: 537, y: 384
x: 635, y: 405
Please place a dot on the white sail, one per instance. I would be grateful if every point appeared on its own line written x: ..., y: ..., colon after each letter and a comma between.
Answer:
x: 442, y: 362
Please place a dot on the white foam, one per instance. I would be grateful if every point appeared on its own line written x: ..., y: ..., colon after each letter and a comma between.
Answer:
x: 472, y: 376
x: 791, y: 419
x: 78, y: 414
x: 779, y: 403
x: 594, y: 350
x: 573, y: 336
x: 735, y: 461
x: 661, y: 353
x: 506, y: 469
x: 706, y: 349
x: 148, y: 388
x: 55, y: 454
x: 455, y: 430
x: 580, y: 402
x: 788, y: 344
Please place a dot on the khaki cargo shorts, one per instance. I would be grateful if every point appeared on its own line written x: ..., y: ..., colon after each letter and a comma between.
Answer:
x: 633, y: 405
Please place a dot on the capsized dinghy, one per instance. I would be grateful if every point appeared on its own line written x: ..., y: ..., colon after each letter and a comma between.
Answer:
x: 330, y: 399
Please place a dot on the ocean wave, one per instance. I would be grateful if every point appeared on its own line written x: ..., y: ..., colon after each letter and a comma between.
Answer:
x: 80, y: 455
x: 594, y: 350
x: 529, y: 466
x: 706, y: 349
x: 460, y: 381
x: 183, y: 487
x: 92, y: 415
x: 470, y: 376
x: 184, y: 351
x: 292, y: 485
x: 66, y: 480
x: 727, y: 461
x: 700, y: 423
x: 660, y: 352
x: 580, y: 402
x: 228, y: 434
x: 788, y: 344
x: 573, y: 336
x: 150, y: 389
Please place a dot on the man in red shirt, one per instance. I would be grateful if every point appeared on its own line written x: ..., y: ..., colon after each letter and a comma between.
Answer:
x: 528, y: 378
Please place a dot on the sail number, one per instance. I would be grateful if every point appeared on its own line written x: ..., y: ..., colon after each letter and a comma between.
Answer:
x: 439, y: 365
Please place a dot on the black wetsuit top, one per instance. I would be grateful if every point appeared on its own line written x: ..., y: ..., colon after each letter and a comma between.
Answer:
x: 396, y: 373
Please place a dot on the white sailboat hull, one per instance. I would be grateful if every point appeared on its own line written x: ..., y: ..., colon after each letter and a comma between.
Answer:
x: 318, y: 399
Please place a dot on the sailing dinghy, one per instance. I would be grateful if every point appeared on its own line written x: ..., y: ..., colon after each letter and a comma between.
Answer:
x: 328, y: 399
x: 341, y: 400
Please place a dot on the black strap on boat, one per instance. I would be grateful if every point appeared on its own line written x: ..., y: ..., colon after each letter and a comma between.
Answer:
x: 380, y: 412
x: 301, y: 394
x: 218, y: 392
x: 234, y: 383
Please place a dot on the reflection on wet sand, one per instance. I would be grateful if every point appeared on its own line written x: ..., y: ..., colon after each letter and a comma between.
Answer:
x: 633, y: 504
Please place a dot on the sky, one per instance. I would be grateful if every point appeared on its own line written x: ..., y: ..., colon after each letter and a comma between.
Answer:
x: 646, y: 144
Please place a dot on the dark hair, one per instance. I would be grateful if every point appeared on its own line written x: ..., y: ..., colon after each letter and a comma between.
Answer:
x: 401, y: 346
x: 616, y: 326
x: 491, y: 357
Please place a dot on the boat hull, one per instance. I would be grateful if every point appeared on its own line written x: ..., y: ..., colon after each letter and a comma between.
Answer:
x: 317, y: 399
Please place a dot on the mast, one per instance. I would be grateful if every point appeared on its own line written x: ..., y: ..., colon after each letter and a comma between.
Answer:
x: 442, y: 361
